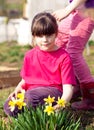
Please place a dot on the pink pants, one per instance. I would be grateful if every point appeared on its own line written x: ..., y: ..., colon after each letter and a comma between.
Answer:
x: 75, y: 31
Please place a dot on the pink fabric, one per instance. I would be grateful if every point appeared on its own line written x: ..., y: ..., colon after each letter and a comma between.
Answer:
x: 64, y: 31
x: 79, y: 33
x: 42, y: 68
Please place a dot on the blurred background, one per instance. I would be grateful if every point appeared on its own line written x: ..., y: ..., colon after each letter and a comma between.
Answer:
x: 16, y: 17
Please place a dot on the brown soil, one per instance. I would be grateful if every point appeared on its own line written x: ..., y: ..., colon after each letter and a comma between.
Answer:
x: 9, y: 76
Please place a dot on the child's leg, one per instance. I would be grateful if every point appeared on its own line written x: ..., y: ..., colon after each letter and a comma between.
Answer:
x: 81, y: 30
x: 34, y: 97
x: 63, y: 38
x: 87, y: 103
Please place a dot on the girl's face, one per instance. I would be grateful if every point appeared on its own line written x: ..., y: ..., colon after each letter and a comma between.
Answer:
x: 46, y: 42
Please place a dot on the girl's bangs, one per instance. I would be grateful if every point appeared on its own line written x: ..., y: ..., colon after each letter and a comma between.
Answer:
x: 46, y: 29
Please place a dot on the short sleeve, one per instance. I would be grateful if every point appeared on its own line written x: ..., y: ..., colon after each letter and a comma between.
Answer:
x: 67, y: 72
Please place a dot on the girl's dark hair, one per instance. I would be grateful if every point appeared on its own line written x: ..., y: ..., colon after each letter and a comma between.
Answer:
x: 44, y: 24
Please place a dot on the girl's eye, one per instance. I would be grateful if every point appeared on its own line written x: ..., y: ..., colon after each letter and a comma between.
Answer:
x: 49, y: 35
x: 40, y: 36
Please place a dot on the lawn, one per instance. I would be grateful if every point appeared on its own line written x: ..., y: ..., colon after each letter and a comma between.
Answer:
x: 12, y: 56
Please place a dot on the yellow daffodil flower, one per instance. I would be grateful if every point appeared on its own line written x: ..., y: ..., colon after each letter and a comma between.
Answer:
x: 12, y: 104
x: 21, y: 95
x: 61, y: 102
x: 49, y: 109
x: 49, y: 100
x: 20, y: 104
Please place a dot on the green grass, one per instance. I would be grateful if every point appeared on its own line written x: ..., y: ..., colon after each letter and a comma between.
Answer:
x: 90, y: 59
x: 4, y: 93
x: 12, y: 54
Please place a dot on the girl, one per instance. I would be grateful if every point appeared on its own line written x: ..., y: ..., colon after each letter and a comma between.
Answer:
x: 47, y: 68
x: 79, y: 29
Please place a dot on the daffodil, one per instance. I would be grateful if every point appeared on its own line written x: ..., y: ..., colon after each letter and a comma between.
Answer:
x: 20, y: 104
x: 12, y: 104
x: 21, y: 95
x: 49, y: 109
x: 17, y: 102
x: 61, y: 102
x: 49, y: 100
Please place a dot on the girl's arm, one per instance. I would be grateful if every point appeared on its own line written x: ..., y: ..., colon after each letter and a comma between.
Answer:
x: 63, y: 13
x: 67, y: 94
x: 18, y: 89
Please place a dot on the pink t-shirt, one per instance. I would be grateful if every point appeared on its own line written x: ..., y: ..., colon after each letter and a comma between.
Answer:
x: 41, y: 68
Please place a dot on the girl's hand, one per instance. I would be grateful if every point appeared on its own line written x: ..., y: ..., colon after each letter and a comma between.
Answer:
x: 15, y: 92
x: 18, y: 89
x: 59, y: 14
x: 57, y: 108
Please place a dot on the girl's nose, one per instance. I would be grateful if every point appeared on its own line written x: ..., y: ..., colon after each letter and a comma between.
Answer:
x: 44, y: 38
